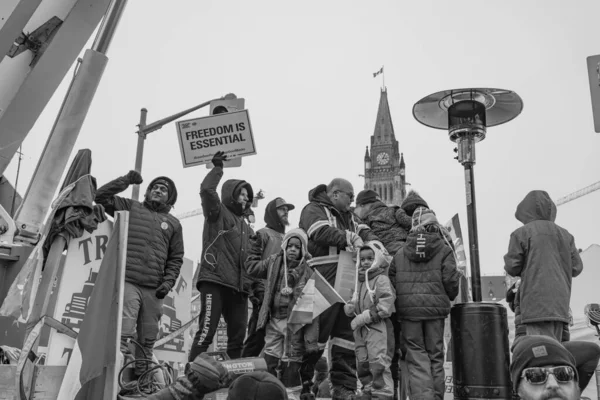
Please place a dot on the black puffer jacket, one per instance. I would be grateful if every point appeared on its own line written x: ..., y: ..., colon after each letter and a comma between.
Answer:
x: 391, y: 224
x: 226, y: 234
x: 424, y: 272
x: 155, y: 238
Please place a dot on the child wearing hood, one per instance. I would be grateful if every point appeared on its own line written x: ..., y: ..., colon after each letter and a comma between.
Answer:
x: 426, y: 280
x: 371, y: 306
x: 286, y: 274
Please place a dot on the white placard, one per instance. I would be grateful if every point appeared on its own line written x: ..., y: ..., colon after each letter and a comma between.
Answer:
x: 201, y: 138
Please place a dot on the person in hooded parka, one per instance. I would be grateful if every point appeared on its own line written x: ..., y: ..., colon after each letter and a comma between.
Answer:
x: 223, y: 283
x: 544, y: 255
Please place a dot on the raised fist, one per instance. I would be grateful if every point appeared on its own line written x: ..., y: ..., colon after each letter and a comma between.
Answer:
x: 134, y: 177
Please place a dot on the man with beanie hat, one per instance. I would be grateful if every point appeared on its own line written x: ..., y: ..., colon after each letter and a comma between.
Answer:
x: 154, y: 256
x: 542, y: 368
x: 222, y: 282
x: 544, y: 255
x: 265, y: 243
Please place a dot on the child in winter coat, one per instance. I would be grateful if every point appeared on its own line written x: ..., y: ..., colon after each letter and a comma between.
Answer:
x: 371, y: 306
x: 286, y: 274
x: 427, y: 280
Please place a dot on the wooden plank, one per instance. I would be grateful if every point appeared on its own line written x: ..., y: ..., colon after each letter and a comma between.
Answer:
x: 46, y: 381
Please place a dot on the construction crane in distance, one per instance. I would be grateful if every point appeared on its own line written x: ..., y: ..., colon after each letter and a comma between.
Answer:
x: 575, y: 195
x: 259, y: 196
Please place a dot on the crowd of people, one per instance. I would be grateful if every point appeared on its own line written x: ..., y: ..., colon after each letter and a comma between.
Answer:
x: 406, y: 281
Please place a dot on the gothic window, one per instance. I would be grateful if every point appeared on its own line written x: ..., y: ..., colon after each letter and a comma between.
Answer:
x: 391, y: 192
x: 385, y: 193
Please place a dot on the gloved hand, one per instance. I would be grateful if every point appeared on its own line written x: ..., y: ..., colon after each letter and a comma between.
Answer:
x: 163, y: 290
x: 133, y: 177
x: 349, y: 309
x: 362, y: 319
x: 353, y: 241
x: 375, y: 317
x: 218, y: 159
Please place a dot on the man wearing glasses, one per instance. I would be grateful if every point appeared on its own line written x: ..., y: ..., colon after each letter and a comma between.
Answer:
x: 542, y: 369
x: 331, y: 227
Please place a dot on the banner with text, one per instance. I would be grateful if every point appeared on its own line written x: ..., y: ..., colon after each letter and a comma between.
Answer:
x: 82, y: 263
x: 201, y: 138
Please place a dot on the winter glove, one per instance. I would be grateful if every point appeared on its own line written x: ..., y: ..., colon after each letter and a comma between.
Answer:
x: 218, y: 159
x: 349, y: 309
x: 163, y: 290
x: 364, y: 318
x: 353, y: 241
x: 133, y: 177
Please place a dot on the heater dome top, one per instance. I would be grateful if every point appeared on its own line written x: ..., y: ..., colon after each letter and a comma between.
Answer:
x: 501, y: 105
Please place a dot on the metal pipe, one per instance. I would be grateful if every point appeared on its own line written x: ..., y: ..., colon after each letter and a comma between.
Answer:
x: 473, y: 237
x: 109, y: 26
x: 139, y: 155
x: 159, y: 124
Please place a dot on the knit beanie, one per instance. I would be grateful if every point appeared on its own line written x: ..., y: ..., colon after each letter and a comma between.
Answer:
x: 412, y: 202
x: 257, y: 385
x: 538, y: 351
x: 422, y: 217
x: 366, y: 197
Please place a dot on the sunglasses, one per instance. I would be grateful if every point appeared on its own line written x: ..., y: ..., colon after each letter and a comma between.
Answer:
x: 539, y: 375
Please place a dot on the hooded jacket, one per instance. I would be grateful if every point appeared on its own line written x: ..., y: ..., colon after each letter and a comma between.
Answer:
x: 374, y: 290
x: 266, y: 242
x: 272, y: 269
x: 390, y: 223
x: 225, y: 238
x: 426, y: 277
x: 155, y: 237
x: 544, y: 255
x: 326, y: 228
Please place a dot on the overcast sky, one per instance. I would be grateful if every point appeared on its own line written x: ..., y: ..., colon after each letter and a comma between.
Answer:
x: 305, y: 70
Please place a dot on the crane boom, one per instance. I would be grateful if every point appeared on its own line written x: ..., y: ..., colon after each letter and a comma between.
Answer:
x: 575, y: 195
x: 189, y: 214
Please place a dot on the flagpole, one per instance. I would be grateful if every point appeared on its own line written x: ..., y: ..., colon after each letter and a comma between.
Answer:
x: 383, y: 75
x: 111, y: 386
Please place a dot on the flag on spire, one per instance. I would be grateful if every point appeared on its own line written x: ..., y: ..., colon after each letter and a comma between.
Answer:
x: 378, y: 72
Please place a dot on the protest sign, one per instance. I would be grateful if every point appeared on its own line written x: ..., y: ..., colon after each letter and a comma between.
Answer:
x: 201, y: 138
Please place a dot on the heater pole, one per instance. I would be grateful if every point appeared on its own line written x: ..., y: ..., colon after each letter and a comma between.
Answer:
x: 472, y: 226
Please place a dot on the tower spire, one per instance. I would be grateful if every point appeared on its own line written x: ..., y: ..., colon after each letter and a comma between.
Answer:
x: 384, y: 129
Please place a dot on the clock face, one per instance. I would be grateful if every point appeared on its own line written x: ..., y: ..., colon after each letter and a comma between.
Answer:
x: 383, y: 158
x: 402, y: 171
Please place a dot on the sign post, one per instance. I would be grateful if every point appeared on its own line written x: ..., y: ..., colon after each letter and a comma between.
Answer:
x: 201, y: 138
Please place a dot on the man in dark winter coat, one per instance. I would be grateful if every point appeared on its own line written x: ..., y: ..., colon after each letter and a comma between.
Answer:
x: 223, y: 283
x: 154, y: 255
x: 426, y: 280
x: 331, y: 228
x: 265, y: 243
x: 544, y: 255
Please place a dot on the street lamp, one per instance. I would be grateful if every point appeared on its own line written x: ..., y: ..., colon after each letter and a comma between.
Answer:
x: 480, y: 351
x: 145, y: 129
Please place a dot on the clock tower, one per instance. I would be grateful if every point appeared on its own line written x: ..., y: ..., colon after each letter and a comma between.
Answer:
x: 385, y: 171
